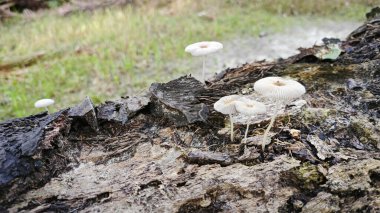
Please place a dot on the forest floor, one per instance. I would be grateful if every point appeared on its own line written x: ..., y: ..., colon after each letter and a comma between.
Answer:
x: 115, y: 52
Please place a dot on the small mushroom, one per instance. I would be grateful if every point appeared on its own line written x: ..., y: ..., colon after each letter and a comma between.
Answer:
x: 44, y: 103
x: 280, y: 91
x: 202, y: 49
x: 226, y: 105
x: 250, y: 108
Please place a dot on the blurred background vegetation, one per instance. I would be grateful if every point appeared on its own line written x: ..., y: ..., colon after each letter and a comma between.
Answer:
x: 67, y: 50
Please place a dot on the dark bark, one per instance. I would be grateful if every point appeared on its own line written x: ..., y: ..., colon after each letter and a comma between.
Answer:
x: 32, y: 151
x: 177, y: 100
x: 168, y: 151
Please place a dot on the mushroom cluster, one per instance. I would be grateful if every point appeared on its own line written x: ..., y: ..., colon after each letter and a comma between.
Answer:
x: 232, y: 104
x: 277, y: 89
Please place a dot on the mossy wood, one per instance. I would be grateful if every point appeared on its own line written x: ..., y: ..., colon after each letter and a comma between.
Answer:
x: 166, y: 151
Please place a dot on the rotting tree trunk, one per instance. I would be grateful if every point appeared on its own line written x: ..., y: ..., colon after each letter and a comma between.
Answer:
x: 168, y: 151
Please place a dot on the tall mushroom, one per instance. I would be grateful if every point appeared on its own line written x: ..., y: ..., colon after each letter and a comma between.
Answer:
x: 250, y: 108
x: 202, y: 49
x: 226, y: 105
x: 44, y: 103
x: 280, y: 91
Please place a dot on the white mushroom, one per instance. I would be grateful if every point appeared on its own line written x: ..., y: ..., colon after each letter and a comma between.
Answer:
x: 226, y: 105
x: 250, y: 108
x: 202, y: 49
x: 279, y: 90
x: 44, y: 103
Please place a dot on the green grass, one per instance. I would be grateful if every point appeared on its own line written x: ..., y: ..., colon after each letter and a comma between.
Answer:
x: 117, y: 51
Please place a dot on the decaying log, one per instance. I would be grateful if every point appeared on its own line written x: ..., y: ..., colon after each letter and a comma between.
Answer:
x: 32, y: 151
x: 169, y: 151
x: 89, y: 5
x: 5, y: 11
x: 10, y: 65
x: 26, y: 61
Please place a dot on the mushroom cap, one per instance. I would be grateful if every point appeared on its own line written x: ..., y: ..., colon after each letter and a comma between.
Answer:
x: 226, y: 104
x: 203, y: 48
x: 250, y: 107
x: 43, y: 103
x: 279, y: 89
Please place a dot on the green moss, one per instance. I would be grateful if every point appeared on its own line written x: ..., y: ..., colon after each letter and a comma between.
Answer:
x: 328, y: 75
x: 366, y: 132
x: 316, y: 115
x: 308, y: 177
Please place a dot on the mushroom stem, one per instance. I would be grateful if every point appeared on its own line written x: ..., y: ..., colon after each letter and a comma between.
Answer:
x: 47, y: 110
x: 203, y: 68
x: 232, y: 128
x: 246, y: 132
x: 270, y: 125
